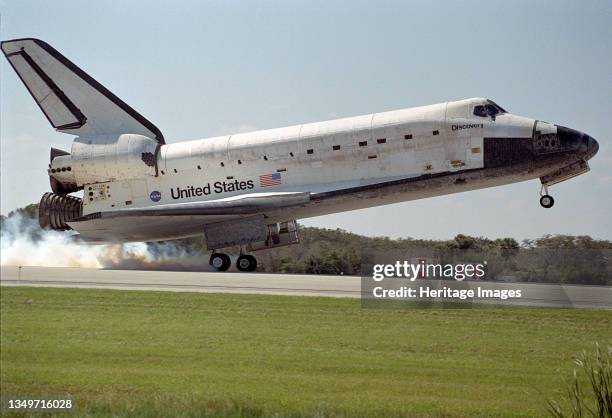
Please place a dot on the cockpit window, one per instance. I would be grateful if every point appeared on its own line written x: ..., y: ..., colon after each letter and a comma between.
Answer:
x: 501, y: 109
x: 480, y: 111
x: 490, y: 109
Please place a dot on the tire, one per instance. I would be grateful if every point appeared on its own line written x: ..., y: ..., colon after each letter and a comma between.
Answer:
x: 220, y: 261
x: 547, y: 201
x: 246, y: 263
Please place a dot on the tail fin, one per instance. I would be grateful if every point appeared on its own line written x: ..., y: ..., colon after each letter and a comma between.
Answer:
x: 72, y: 101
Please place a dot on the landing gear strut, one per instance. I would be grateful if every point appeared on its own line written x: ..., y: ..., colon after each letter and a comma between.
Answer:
x: 546, y: 200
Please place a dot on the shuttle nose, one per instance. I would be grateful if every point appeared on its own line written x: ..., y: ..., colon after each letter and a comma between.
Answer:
x: 577, y: 141
x: 592, y: 148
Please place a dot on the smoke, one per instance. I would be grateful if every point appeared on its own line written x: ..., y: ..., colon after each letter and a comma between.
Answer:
x: 24, y: 243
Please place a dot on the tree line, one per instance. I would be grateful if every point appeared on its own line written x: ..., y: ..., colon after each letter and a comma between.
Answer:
x: 550, y: 258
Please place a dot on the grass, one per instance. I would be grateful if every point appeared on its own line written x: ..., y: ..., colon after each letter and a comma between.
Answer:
x: 596, y: 399
x: 128, y: 353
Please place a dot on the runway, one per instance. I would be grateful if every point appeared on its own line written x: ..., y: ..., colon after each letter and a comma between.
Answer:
x: 172, y: 281
x: 276, y: 284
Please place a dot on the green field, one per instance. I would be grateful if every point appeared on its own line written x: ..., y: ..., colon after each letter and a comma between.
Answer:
x: 127, y: 353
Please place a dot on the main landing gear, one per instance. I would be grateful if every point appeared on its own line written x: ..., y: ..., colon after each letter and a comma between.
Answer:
x: 222, y: 262
x: 546, y: 200
x: 246, y: 262
x: 278, y: 234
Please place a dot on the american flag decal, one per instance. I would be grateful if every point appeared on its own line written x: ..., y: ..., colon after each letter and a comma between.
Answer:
x: 272, y: 179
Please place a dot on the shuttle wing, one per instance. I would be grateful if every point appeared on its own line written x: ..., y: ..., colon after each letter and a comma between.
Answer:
x: 72, y: 101
x: 178, y: 219
x: 241, y: 205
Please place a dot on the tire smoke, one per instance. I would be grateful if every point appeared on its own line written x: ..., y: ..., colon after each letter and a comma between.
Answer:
x: 24, y: 243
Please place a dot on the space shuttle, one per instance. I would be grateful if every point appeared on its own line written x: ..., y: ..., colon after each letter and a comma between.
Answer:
x: 121, y: 181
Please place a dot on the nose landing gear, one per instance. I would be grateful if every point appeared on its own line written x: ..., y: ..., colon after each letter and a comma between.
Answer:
x: 546, y: 200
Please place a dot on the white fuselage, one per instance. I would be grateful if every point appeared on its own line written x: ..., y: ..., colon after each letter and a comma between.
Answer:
x: 317, y: 157
x: 338, y: 165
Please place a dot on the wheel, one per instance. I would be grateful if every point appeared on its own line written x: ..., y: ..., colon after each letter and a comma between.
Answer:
x: 220, y: 261
x: 547, y: 201
x: 246, y: 263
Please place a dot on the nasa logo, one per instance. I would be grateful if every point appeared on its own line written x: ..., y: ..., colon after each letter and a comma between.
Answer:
x: 155, y: 196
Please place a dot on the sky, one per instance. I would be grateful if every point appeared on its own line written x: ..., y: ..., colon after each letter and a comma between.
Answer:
x: 198, y: 69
